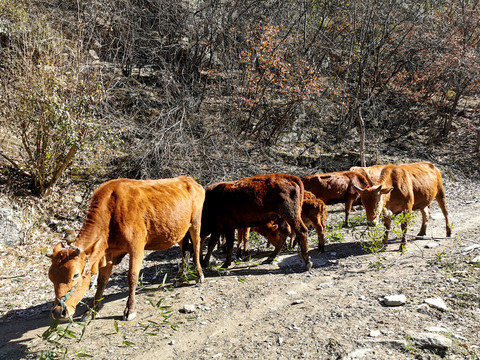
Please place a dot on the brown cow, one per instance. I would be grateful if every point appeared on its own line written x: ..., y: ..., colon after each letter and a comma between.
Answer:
x: 371, y: 173
x: 336, y: 187
x: 250, y: 202
x: 125, y: 216
x: 314, y: 213
x: 405, y: 187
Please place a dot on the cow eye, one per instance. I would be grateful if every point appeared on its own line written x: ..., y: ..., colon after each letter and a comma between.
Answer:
x: 76, y: 275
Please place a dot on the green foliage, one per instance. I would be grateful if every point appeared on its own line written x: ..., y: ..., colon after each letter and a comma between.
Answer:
x: 54, y: 335
x: 335, y: 232
x: 48, y: 102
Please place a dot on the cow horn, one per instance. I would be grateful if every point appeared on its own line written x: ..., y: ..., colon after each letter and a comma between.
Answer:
x: 357, y: 188
x: 49, y: 255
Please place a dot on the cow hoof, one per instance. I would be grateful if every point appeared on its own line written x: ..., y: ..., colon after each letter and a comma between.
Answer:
x: 309, y: 265
x: 226, y: 265
x: 128, y: 316
x: 200, y: 280
x: 268, y: 261
x: 88, y: 315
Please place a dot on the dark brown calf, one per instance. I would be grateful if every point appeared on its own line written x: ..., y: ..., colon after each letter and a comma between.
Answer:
x: 250, y: 202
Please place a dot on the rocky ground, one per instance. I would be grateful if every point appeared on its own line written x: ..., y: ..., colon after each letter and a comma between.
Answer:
x: 336, y: 311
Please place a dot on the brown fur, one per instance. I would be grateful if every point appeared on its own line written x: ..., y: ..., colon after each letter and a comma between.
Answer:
x: 126, y: 216
x: 406, y: 187
x: 251, y: 202
x: 336, y: 187
x: 314, y: 213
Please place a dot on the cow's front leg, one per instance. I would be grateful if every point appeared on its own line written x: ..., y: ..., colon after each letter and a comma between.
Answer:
x: 387, y: 222
x: 136, y: 258
x: 403, y: 244
x: 102, y: 281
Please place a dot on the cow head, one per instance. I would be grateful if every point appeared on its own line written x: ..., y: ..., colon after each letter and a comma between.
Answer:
x: 71, y: 274
x: 373, y: 200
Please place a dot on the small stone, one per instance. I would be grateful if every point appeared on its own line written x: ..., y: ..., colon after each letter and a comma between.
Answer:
x: 395, y: 300
x: 280, y: 341
x: 188, y: 308
x: 432, y: 245
x: 172, y: 342
x: 298, y: 301
x: 470, y: 248
x: 78, y: 199
x: 375, y: 333
x: 291, y: 292
x: 475, y: 260
x: 437, y: 303
x: 436, y: 329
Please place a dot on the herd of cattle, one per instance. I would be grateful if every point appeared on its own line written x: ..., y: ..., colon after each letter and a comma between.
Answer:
x: 130, y: 216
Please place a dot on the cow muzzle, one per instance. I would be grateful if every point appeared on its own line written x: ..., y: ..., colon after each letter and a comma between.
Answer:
x: 60, y: 313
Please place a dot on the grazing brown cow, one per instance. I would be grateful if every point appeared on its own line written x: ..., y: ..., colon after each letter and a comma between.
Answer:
x: 336, y: 187
x: 125, y: 216
x: 314, y: 213
x: 250, y: 202
x: 405, y: 187
x: 371, y: 173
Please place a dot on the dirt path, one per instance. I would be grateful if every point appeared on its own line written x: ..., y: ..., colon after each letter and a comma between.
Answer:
x: 278, y: 311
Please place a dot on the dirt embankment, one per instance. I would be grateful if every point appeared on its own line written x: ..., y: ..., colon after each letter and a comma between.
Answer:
x: 275, y: 311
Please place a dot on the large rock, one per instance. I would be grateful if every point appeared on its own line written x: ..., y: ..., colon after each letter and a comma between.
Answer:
x: 427, y: 340
x: 10, y: 225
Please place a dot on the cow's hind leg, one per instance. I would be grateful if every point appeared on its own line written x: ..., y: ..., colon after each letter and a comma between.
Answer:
x: 301, y: 235
x: 196, y: 242
x: 214, y: 238
x: 425, y: 216
x: 443, y: 206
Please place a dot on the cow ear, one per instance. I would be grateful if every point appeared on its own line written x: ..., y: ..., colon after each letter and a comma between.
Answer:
x: 386, y: 190
x: 58, y: 247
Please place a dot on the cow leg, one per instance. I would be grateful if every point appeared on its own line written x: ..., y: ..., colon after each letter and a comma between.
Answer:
x: 443, y: 206
x: 403, y: 226
x: 348, y: 208
x: 230, y: 237
x: 320, y: 229
x: 284, y: 231
x: 387, y: 222
x: 214, y: 237
x: 425, y: 216
x: 102, y: 281
x: 136, y: 258
x: 196, y: 242
x: 243, y: 235
x: 301, y: 235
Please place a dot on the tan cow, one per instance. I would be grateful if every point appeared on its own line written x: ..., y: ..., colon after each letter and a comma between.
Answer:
x: 314, y: 213
x: 405, y: 187
x: 250, y: 202
x: 336, y: 187
x: 125, y: 217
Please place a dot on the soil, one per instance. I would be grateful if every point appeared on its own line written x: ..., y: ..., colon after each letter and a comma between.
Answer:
x: 272, y: 311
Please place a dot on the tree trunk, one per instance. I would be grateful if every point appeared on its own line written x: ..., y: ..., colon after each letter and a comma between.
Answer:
x: 361, y: 125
